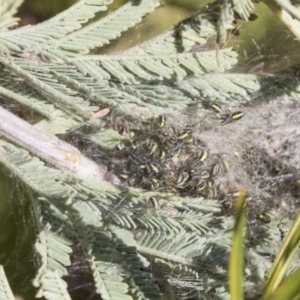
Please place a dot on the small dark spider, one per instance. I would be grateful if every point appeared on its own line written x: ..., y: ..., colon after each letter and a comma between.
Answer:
x: 263, y: 218
x: 230, y: 117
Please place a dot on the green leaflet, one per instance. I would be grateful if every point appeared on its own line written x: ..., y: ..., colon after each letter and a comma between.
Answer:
x: 33, y: 172
x: 5, y: 291
x: 53, y: 248
x: 53, y: 287
x: 243, y: 8
x: 46, y: 33
x: 225, y: 87
x: 7, y: 10
x: 160, y: 67
x: 108, y: 28
x: 51, y: 89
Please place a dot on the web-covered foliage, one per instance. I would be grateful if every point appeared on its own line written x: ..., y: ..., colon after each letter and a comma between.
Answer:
x: 130, y: 248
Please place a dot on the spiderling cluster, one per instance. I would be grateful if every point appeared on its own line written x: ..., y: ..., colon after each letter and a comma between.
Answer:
x: 168, y: 159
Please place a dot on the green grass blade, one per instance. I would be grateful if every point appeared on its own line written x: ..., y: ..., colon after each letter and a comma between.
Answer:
x: 283, y: 258
x: 289, y: 289
x: 236, y: 260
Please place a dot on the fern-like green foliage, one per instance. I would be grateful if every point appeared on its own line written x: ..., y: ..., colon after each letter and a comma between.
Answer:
x: 127, y: 248
x: 5, y: 291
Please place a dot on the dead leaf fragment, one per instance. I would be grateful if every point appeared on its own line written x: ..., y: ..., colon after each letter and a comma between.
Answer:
x: 101, y: 113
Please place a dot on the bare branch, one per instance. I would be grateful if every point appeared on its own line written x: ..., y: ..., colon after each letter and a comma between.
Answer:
x: 49, y: 148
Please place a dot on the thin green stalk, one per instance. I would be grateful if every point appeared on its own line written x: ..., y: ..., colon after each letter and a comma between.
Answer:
x: 283, y: 258
x: 289, y: 289
x: 236, y: 260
